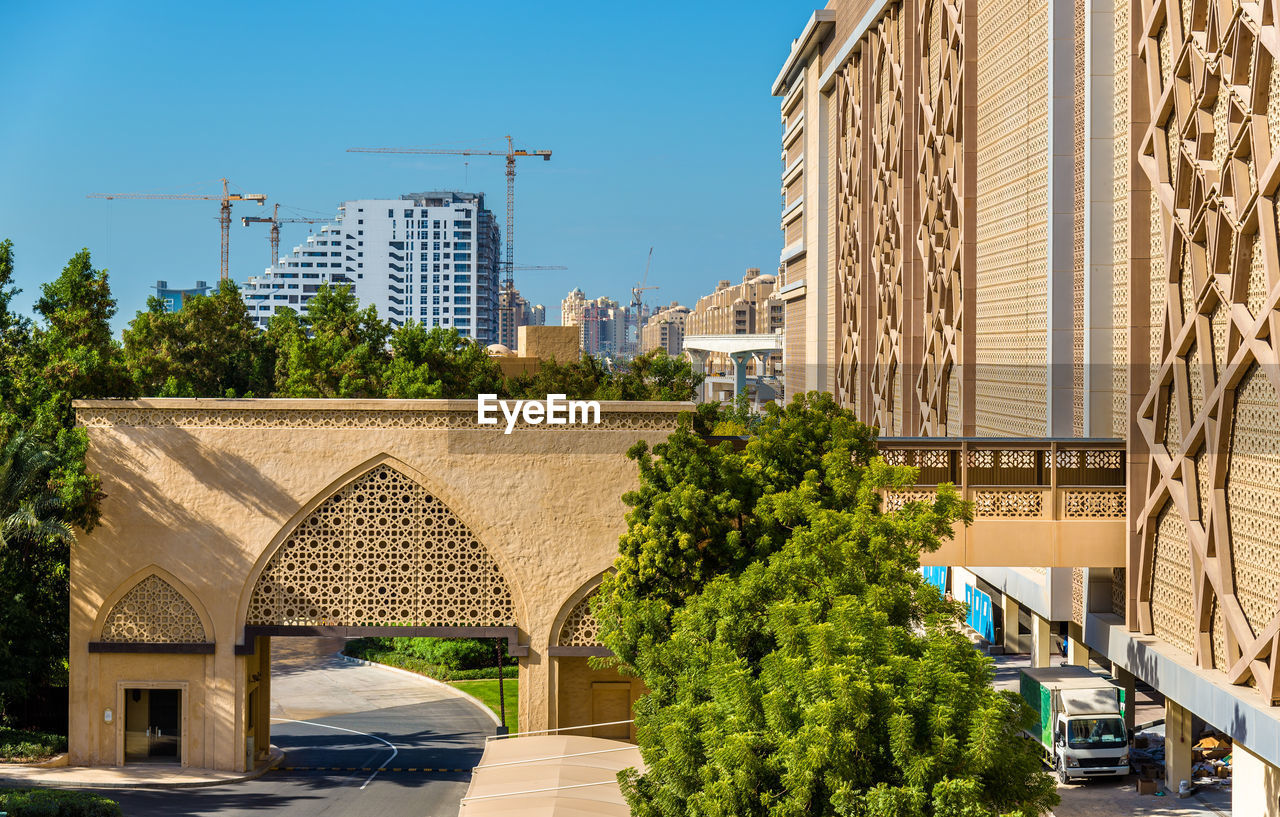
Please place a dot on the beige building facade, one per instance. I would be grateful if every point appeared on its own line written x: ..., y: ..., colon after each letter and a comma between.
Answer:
x: 227, y: 524
x: 1057, y: 221
x: 665, y: 329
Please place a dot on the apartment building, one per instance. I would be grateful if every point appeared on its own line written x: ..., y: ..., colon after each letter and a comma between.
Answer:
x: 1056, y: 223
x: 607, y: 329
x: 429, y: 257
x: 665, y: 329
x: 749, y: 307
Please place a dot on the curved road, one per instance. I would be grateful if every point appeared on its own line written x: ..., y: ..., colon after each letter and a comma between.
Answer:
x: 328, y: 713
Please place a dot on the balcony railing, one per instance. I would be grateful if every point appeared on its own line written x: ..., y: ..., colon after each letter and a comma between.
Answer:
x: 1076, y: 485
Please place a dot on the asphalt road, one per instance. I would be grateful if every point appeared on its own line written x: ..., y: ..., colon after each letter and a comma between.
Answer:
x: 327, y: 714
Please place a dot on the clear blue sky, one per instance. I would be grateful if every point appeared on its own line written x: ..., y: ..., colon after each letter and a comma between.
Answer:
x: 658, y: 114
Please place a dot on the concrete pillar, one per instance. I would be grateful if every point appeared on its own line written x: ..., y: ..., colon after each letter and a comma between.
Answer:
x: 1009, y: 607
x: 264, y: 697
x: 739, y: 371
x: 1042, y: 642
x: 1255, y: 785
x: 1129, y: 683
x: 1077, y: 652
x: 1177, y: 745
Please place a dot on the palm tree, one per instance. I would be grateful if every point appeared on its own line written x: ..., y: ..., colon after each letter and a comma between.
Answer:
x: 31, y: 513
x: 34, y: 543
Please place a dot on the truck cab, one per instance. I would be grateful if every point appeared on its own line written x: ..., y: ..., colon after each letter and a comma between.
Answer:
x: 1080, y: 721
x: 1090, y: 745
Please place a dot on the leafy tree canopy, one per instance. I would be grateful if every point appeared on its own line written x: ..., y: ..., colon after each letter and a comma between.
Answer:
x: 336, y: 350
x: 797, y: 661
x: 439, y: 362
x: 210, y: 347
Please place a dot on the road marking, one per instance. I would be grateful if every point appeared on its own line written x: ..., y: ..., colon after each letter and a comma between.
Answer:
x: 390, y: 745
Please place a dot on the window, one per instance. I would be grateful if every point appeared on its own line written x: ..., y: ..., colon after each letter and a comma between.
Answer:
x: 391, y: 213
x: 435, y: 256
x: 359, y: 221
x: 408, y: 214
x: 462, y: 256
x: 435, y: 246
x: 360, y: 232
x: 462, y: 267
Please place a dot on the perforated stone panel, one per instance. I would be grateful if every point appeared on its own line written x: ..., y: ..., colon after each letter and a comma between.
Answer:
x: 849, y: 226
x: 942, y: 233
x: 887, y: 255
x: 382, y: 551
x: 1012, y: 218
x: 1211, y: 416
x: 580, y: 629
x: 153, y: 612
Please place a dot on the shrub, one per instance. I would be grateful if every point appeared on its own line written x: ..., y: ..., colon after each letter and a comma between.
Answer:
x: 53, y: 803
x: 25, y: 746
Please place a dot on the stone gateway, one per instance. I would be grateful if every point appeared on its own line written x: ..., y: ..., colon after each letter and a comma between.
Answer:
x: 228, y: 523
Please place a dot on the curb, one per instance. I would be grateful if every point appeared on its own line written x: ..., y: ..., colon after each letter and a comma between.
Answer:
x: 493, y: 716
x: 277, y: 757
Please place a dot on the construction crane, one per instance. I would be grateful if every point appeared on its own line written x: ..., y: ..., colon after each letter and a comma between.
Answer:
x: 508, y: 282
x: 224, y: 216
x: 522, y: 267
x: 638, y: 290
x: 275, y: 221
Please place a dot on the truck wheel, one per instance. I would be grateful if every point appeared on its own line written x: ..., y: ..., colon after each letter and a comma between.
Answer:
x: 1062, y: 772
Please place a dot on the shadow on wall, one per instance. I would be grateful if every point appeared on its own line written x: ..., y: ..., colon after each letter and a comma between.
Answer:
x: 242, y: 489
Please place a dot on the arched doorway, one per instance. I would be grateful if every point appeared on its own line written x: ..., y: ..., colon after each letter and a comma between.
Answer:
x: 381, y: 556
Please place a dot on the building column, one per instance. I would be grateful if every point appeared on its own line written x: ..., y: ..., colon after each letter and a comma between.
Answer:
x: 1177, y: 745
x: 1077, y: 652
x: 1255, y: 785
x: 1129, y: 684
x: 1009, y: 607
x: 739, y: 372
x: 1041, y: 641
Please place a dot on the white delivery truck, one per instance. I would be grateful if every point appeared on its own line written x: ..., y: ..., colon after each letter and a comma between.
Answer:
x: 1081, y: 725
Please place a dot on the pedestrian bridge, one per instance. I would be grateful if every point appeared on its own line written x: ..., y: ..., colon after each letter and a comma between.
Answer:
x: 1036, y: 502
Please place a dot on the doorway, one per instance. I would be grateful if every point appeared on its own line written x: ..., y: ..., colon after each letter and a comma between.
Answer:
x: 152, y: 725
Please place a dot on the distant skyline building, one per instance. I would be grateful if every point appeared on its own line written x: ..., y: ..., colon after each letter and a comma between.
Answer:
x: 523, y: 314
x: 430, y: 257
x: 665, y: 329
x: 174, y: 299
x: 608, y: 329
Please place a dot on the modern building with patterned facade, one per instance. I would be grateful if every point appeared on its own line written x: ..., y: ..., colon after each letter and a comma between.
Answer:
x: 1058, y: 222
x: 665, y: 329
x: 745, y: 308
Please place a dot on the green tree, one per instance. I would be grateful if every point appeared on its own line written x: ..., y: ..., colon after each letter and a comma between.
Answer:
x: 336, y: 350
x: 72, y: 354
x: 439, y: 362
x: 657, y: 376
x: 15, y: 334
x: 34, y: 543
x: 582, y: 379
x: 797, y: 661
x: 209, y: 348
x: 701, y: 510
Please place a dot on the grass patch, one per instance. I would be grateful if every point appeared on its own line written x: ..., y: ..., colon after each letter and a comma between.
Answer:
x: 25, y: 746
x: 487, y: 691
x: 370, y: 649
x: 54, y: 803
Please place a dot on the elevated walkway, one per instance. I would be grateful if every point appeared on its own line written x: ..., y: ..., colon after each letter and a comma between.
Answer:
x: 739, y: 348
x: 1037, y: 502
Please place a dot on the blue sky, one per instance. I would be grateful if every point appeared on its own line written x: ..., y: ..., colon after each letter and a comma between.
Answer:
x: 658, y: 113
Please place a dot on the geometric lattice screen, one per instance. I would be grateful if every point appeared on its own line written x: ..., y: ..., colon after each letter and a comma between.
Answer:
x: 1209, y: 579
x: 941, y: 231
x: 153, y: 612
x: 382, y: 551
x: 580, y: 629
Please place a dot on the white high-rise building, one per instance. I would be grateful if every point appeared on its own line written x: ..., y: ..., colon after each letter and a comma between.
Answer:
x: 430, y: 257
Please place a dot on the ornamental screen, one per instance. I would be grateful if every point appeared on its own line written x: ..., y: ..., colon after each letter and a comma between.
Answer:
x: 382, y: 551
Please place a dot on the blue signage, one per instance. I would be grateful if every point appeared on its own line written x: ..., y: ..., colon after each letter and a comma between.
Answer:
x: 936, y: 576
x: 979, y: 616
